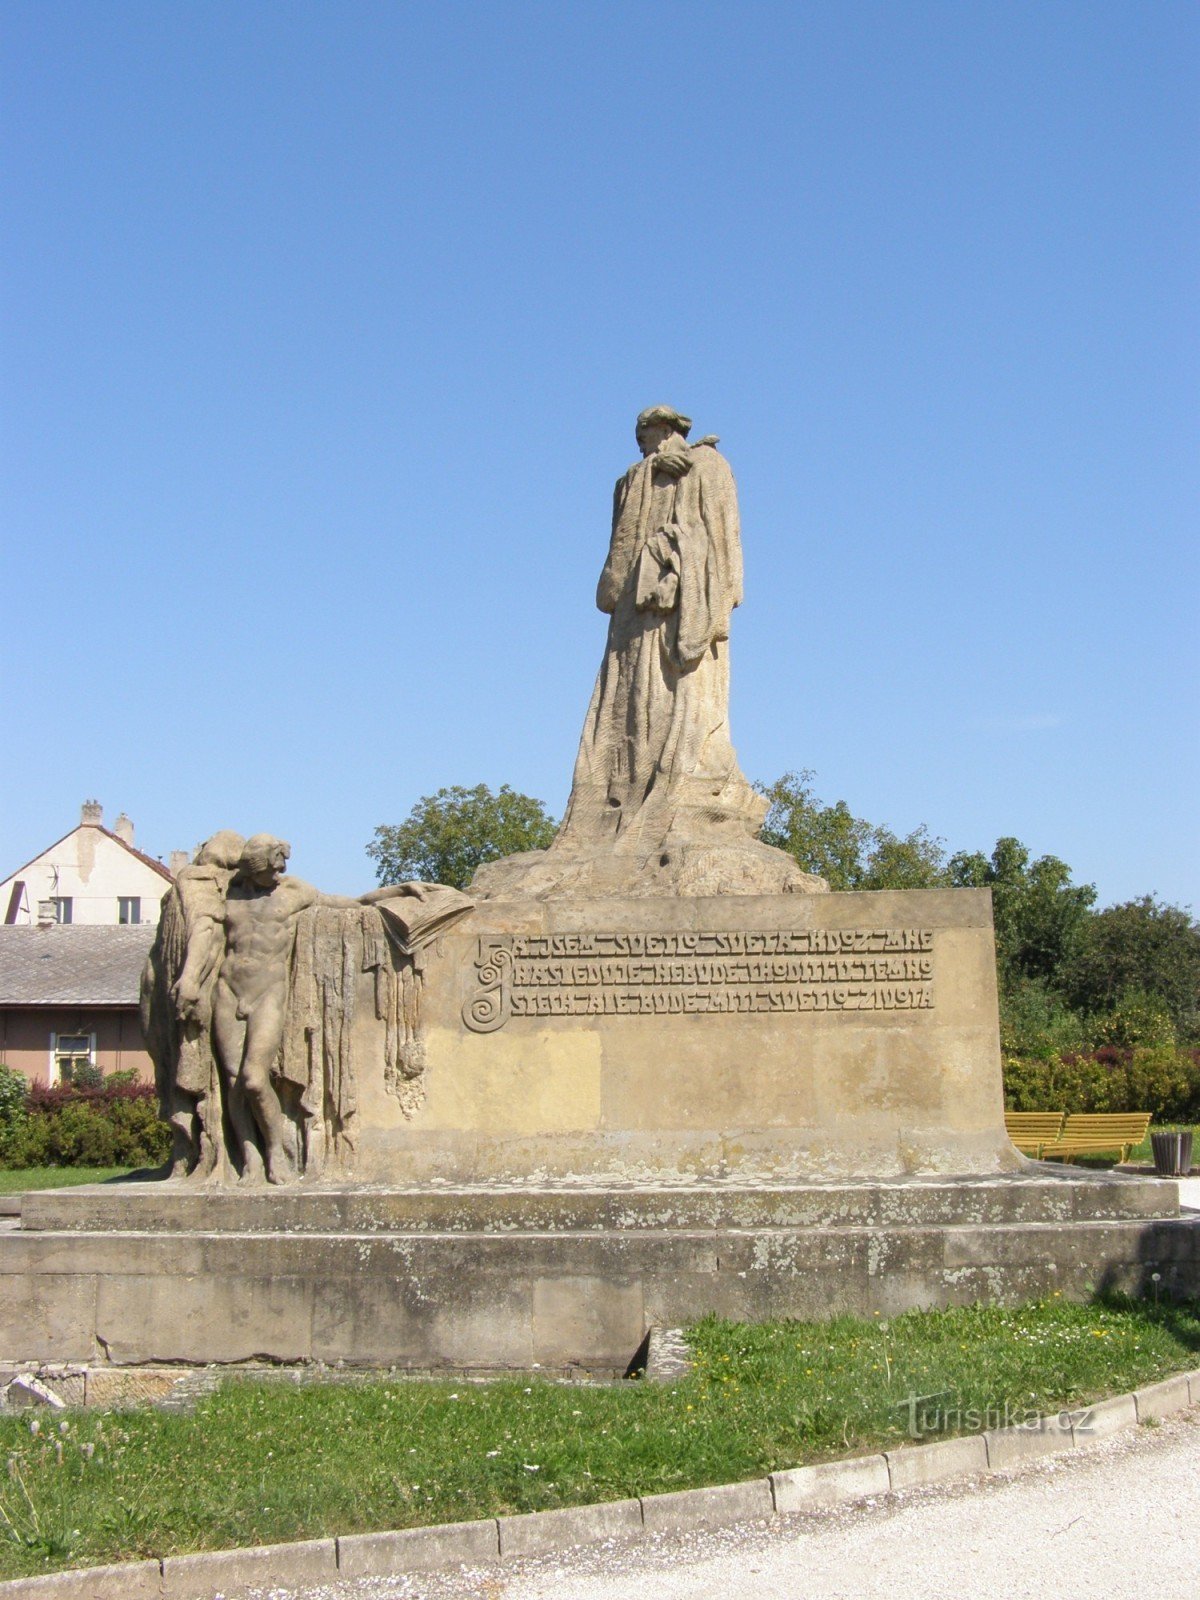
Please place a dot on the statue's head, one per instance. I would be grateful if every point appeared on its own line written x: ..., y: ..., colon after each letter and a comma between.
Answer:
x: 264, y: 858
x: 224, y: 849
x: 659, y: 423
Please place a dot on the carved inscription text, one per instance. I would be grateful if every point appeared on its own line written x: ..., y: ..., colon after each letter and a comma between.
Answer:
x: 670, y: 974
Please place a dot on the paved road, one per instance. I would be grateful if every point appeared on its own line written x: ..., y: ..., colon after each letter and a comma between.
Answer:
x: 1120, y: 1519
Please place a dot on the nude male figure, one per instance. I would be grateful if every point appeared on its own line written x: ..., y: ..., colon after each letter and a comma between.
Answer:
x: 262, y: 909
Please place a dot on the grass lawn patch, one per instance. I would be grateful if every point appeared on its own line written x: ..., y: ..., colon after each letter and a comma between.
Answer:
x: 15, y: 1180
x: 259, y: 1462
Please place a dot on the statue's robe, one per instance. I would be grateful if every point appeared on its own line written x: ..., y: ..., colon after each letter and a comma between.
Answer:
x: 655, y: 761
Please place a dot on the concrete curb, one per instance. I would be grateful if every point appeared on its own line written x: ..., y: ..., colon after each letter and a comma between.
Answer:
x: 820, y: 1487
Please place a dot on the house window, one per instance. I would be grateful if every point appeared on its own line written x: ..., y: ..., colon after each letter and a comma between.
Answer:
x: 62, y: 907
x: 72, y: 1053
x: 129, y: 908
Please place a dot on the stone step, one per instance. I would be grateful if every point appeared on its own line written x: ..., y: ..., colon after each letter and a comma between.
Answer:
x: 1019, y: 1198
x: 511, y: 1299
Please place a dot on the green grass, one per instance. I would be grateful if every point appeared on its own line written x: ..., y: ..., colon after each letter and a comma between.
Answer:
x: 258, y: 1462
x: 15, y: 1180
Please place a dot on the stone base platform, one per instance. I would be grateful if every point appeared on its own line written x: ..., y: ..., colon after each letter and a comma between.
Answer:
x: 496, y: 1277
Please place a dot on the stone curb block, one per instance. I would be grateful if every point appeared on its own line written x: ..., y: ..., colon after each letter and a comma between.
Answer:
x: 132, y: 1580
x: 1092, y: 1424
x: 1008, y: 1447
x: 725, y: 1502
x: 924, y: 1464
x: 826, y: 1484
x: 1163, y: 1399
x: 372, y: 1555
x: 830, y: 1483
x: 231, y: 1571
x: 540, y: 1532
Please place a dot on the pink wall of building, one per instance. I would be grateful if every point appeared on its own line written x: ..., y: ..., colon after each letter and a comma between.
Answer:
x: 25, y: 1038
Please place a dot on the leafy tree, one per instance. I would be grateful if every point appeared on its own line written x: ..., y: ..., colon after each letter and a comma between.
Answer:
x: 446, y: 836
x: 1038, y: 911
x: 847, y: 851
x: 1036, y: 1021
x: 1141, y: 948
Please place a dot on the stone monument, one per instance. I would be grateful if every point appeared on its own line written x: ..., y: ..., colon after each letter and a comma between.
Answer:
x: 651, y: 1072
x: 659, y: 805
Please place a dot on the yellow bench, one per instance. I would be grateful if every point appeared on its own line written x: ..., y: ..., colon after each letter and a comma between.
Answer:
x: 1097, y: 1133
x: 1032, y: 1131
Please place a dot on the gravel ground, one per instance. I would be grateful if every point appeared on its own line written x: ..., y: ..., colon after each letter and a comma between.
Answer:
x: 1120, y: 1519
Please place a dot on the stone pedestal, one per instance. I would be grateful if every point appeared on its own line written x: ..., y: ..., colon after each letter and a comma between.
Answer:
x: 497, y: 1277
x: 758, y: 1038
x: 628, y: 1114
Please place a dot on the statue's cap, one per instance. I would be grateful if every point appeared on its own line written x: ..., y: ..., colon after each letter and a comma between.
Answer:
x: 667, y: 414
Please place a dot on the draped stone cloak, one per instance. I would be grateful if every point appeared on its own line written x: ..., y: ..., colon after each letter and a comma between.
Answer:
x: 655, y: 760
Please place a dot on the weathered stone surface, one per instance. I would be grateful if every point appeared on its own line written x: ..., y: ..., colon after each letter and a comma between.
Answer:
x: 1094, y: 1423
x: 1032, y: 1195
x: 524, y: 1277
x: 131, y: 1580
x: 166, y: 1316
x: 233, y: 1572
x: 939, y: 1462
x: 808, y: 1037
x: 691, y: 1508
x: 830, y: 1483
x: 365, y: 1555
x: 542, y: 1531
x: 45, y: 1316
x: 1008, y: 1447
x: 1157, y: 1400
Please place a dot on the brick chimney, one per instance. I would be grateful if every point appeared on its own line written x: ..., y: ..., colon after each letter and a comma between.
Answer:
x: 179, y: 860
x: 123, y: 828
x: 91, y: 814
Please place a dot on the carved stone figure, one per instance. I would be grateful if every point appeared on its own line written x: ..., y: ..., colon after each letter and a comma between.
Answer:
x: 659, y: 804
x: 248, y: 1004
x: 262, y: 910
x: 176, y: 1002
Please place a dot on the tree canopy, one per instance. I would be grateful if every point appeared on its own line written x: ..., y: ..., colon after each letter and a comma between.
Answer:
x: 1139, y: 948
x: 1038, y: 911
x: 845, y: 850
x: 448, y: 835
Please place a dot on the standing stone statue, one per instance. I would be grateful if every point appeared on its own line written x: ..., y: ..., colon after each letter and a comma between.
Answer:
x: 658, y: 803
x: 262, y: 911
x: 655, y: 761
x: 176, y: 1002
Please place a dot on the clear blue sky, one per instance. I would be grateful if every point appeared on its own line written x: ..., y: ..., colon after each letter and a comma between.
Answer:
x: 325, y: 326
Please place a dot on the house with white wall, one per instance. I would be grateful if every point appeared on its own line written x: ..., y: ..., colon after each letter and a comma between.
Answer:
x: 91, y: 876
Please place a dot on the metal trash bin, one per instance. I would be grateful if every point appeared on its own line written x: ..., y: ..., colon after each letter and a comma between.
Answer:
x: 1172, y: 1154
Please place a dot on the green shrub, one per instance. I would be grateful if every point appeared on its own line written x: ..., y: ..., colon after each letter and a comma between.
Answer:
x: 115, y: 1125
x: 1160, y: 1079
x: 13, y: 1110
x: 1036, y: 1021
x: 1137, y: 1018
